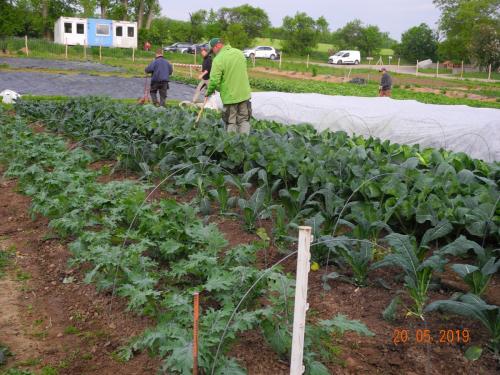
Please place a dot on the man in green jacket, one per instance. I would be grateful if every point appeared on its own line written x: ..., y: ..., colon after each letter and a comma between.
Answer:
x: 229, y: 76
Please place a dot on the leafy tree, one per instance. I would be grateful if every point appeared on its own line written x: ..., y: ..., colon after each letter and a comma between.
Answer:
x: 9, y: 24
x: 237, y: 36
x: 197, y: 21
x: 300, y: 33
x: 459, y: 22
x: 485, y: 46
x: 324, y: 29
x: 255, y: 21
x: 418, y: 43
x: 371, y: 40
x: 354, y: 35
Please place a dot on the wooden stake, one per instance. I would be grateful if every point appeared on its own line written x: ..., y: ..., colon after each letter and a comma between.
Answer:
x: 195, y: 55
x: 26, y: 45
x: 399, y: 62
x: 196, y: 312
x: 307, y: 65
x: 100, y: 52
x: 133, y: 54
x: 281, y: 56
x: 253, y: 61
x: 489, y: 73
x: 84, y: 52
x: 416, y: 72
x: 437, y: 69
x: 191, y: 71
x: 462, y: 73
x: 66, y: 50
x: 301, y: 305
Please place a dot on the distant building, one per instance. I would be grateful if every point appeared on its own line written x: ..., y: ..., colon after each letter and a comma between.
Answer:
x: 95, y: 32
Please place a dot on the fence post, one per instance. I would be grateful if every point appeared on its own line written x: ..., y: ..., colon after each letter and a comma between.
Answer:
x: 281, y: 56
x: 301, y: 305
x: 190, y: 71
x: 84, y: 51
x: 462, y: 73
x: 437, y: 69
x: 307, y: 61
x: 489, y: 73
x: 253, y: 60
x: 26, y: 45
x: 100, y: 52
x: 196, y: 309
x: 66, y: 50
x: 195, y: 55
x: 399, y: 62
x: 416, y: 72
x: 133, y: 54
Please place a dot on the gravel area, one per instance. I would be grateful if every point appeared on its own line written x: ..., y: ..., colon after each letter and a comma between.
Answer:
x: 28, y: 63
x: 83, y: 84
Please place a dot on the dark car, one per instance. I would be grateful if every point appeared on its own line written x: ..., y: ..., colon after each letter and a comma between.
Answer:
x: 181, y: 47
x: 198, y: 48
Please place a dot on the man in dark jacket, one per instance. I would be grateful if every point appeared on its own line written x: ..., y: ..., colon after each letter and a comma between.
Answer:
x: 206, y: 67
x: 385, y: 83
x: 161, y: 71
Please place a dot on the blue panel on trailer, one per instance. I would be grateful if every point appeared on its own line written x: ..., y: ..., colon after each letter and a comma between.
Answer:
x: 100, y: 32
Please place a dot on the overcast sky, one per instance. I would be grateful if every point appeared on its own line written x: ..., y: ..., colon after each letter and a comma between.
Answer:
x: 394, y: 16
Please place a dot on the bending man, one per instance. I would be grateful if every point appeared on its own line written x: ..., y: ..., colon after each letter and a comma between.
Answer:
x: 161, y: 71
x: 229, y: 76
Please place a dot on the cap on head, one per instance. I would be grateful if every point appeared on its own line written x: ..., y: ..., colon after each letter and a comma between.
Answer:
x: 213, y: 42
x: 382, y: 69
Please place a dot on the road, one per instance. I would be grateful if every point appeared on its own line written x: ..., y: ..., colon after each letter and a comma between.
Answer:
x: 35, y: 83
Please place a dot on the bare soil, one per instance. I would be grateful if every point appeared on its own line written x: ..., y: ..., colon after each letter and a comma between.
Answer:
x: 45, y: 322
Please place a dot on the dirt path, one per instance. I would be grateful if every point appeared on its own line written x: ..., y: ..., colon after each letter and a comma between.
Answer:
x: 47, y: 323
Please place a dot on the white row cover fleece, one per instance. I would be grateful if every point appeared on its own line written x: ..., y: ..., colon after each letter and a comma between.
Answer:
x: 459, y: 128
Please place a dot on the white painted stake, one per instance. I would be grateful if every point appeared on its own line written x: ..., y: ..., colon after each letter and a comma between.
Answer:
x: 26, y: 45
x: 437, y: 70
x: 416, y: 72
x: 100, y: 52
x: 301, y: 305
x: 281, y: 55
x: 489, y: 73
x: 133, y: 54
x: 399, y: 62
x: 307, y: 61
x: 66, y: 50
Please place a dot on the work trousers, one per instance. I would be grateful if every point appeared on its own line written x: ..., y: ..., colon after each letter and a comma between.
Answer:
x: 237, y: 116
x: 202, y: 85
x: 161, y: 87
x: 385, y: 92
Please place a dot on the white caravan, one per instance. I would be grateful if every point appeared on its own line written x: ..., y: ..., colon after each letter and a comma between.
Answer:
x: 70, y: 30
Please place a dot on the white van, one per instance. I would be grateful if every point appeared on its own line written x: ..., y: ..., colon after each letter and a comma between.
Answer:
x: 345, y: 57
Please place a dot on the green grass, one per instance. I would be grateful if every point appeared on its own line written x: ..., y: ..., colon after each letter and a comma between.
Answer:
x: 483, y: 75
x: 71, y: 330
x: 5, y: 257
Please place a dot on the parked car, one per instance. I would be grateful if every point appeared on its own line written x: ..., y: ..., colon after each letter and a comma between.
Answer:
x: 198, y: 48
x: 262, y: 52
x: 345, y: 57
x: 181, y: 47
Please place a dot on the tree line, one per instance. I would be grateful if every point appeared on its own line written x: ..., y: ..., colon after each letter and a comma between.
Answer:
x: 468, y: 30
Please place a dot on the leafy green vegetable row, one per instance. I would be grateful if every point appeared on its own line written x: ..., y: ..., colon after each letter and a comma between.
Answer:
x: 363, y: 188
x: 156, y: 254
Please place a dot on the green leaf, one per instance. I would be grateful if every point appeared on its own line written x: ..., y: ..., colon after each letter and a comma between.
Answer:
x: 464, y: 269
x: 342, y: 324
x: 390, y: 311
x: 316, y: 368
x: 473, y: 353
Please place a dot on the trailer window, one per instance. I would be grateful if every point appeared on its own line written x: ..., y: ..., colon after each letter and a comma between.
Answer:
x: 130, y: 32
x: 80, y: 28
x: 68, y: 27
x: 102, y: 29
x: 119, y: 31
